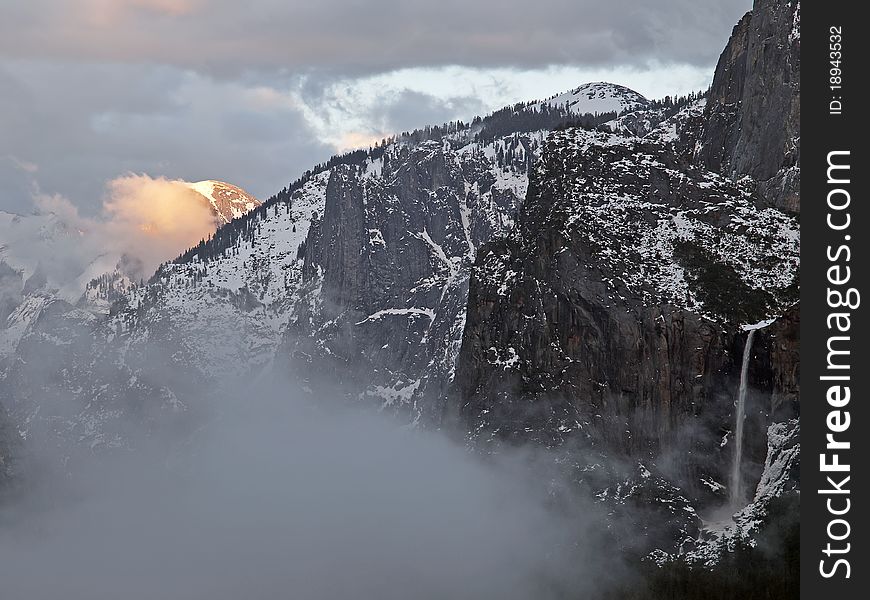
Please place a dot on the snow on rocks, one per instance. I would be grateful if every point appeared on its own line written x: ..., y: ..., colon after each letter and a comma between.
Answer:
x: 597, y: 98
x: 780, y: 476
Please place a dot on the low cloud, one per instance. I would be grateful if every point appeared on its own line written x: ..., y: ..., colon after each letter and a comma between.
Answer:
x: 277, y: 495
x: 154, y: 220
x: 144, y: 220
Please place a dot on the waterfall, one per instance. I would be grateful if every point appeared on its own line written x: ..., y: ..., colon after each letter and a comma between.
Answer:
x: 736, y: 486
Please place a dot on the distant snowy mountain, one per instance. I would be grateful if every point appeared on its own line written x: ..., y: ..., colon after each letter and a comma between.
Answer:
x: 63, y: 252
x: 226, y: 200
x: 38, y: 247
x: 46, y: 258
x: 597, y: 98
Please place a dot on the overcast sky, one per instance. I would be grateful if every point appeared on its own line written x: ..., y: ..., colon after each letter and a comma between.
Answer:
x: 255, y: 92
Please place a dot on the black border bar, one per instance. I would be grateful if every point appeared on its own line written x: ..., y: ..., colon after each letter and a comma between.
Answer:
x: 835, y: 229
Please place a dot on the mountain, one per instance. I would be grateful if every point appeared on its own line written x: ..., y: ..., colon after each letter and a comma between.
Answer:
x: 66, y: 250
x: 376, y: 249
x: 227, y: 201
x: 42, y: 246
x: 752, y: 122
x: 584, y: 273
x: 597, y: 98
x: 58, y: 280
x: 640, y: 273
x: 359, y: 269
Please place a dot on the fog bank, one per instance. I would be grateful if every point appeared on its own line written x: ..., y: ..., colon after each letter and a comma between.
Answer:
x: 277, y: 496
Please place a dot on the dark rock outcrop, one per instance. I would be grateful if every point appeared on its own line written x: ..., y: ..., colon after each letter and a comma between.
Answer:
x: 574, y: 328
x: 781, y: 347
x: 722, y: 115
x: 387, y: 267
x: 752, y: 121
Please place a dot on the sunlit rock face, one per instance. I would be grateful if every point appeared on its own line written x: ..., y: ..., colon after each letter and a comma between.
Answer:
x: 226, y: 200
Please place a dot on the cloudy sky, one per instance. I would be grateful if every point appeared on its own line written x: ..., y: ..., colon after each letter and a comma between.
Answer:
x: 256, y: 92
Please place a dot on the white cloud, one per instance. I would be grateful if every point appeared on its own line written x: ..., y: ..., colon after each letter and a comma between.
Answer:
x: 356, y: 112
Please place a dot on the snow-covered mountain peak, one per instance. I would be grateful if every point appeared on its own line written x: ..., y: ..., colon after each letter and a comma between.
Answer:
x: 228, y: 201
x: 597, y: 98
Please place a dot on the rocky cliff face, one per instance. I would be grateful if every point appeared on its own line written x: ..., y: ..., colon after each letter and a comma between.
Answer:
x: 774, y: 506
x: 387, y: 265
x: 615, y: 315
x: 753, y: 111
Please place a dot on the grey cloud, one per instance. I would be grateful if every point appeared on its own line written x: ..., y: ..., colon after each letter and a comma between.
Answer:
x: 411, y: 109
x: 16, y: 187
x: 84, y: 124
x: 224, y: 36
x: 249, y: 126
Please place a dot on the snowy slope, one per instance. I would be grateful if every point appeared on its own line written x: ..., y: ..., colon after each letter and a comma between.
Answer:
x: 228, y: 313
x: 597, y: 98
x: 604, y: 205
